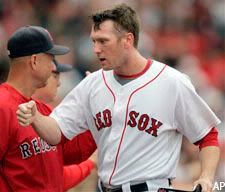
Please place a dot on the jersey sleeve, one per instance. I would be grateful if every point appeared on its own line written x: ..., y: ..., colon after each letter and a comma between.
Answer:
x: 70, y: 113
x: 211, y: 139
x: 5, y: 131
x: 79, y: 149
x: 193, y: 117
x: 74, y: 174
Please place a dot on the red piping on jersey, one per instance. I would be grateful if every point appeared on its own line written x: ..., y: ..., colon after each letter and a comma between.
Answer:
x: 138, y: 74
x: 114, y: 97
x: 125, y: 125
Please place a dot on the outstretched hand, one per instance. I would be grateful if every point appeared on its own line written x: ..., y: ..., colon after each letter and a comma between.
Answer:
x: 26, y: 113
x: 205, y: 183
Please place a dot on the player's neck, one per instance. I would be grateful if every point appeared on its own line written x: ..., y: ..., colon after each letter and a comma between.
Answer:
x: 135, y: 64
x: 21, y: 83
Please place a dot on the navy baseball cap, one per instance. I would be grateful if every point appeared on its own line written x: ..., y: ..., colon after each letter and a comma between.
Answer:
x: 62, y: 67
x: 30, y: 40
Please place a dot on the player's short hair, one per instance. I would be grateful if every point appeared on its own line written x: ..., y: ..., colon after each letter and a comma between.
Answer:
x: 124, y: 18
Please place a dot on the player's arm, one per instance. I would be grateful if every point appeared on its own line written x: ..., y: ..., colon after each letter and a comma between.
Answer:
x: 45, y: 126
x: 209, y: 160
x: 209, y: 157
x: 74, y: 174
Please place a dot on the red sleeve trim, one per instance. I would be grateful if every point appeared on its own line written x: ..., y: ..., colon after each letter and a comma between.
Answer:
x: 74, y: 174
x: 211, y: 139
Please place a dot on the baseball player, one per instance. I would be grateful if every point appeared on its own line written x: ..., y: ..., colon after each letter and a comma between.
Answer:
x: 27, y: 162
x: 137, y: 110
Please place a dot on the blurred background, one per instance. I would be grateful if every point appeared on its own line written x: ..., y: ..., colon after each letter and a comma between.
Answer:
x: 185, y: 34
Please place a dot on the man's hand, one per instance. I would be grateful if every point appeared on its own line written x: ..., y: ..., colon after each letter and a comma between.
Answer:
x: 26, y: 113
x: 205, y: 183
x: 46, y: 127
x: 87, y: 73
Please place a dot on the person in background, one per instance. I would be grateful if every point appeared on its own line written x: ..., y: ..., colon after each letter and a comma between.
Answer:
x: 48, y: 93
x: 75, y: 173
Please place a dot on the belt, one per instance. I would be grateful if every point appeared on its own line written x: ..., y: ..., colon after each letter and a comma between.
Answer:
x: 134, y: 188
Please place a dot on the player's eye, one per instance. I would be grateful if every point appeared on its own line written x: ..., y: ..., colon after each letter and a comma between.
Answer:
x: 55, y: 74
x: 102, y: 40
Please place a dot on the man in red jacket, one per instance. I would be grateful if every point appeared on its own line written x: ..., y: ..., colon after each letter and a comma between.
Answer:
x: 28, y: 163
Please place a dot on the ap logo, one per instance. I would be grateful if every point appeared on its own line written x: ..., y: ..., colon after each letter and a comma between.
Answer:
x: 219, y: 186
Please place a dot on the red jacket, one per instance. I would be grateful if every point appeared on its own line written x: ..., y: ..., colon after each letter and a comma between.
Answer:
x: 27, y: 163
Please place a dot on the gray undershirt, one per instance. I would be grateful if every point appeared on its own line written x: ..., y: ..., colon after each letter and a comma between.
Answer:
x: 123, y: 81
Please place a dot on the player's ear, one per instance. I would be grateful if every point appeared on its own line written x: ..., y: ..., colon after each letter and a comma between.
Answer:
x: 129, y: 40
x: 33, y: 61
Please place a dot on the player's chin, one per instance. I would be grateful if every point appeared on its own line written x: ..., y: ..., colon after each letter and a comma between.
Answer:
x: 106, y: 68
x: 42, y: 85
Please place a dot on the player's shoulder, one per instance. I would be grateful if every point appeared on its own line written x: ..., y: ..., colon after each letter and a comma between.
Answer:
x: 171, y: 73
x: 92, y: 78
x: 176, y: 77
x: 94, y: 75
x: 7, y: 97
x: 88, y: 83
x: 4, y: 91
x: 8, y: 102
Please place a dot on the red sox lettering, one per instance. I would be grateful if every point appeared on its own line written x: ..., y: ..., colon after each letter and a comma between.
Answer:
x: 143, y: 122
x: 103, y: 119
x: 35, y: 147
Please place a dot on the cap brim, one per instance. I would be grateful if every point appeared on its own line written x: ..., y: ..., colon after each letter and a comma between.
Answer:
x: 58, y: 50
x: 63, y: 67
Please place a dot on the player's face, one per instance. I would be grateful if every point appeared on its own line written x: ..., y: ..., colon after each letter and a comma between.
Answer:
x: 49, y: 92
x: 52, y: 85
x: 44, y: 69
x: 108, y: 45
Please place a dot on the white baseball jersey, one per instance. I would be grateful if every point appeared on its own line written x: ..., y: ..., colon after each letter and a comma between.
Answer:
x: 138, y: 126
